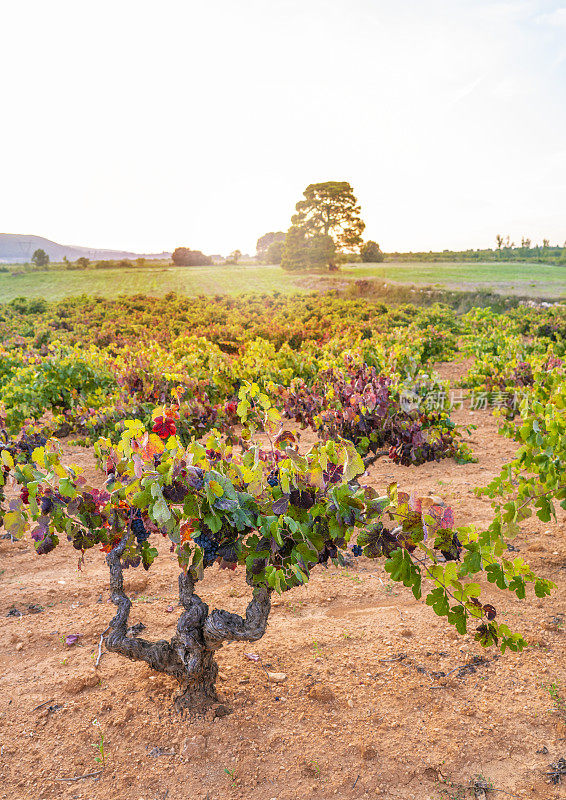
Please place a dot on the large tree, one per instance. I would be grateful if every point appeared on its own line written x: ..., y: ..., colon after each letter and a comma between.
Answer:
x: 307, y: 252
x: 264, y: 243
x: 275, y: 252
x: 331, y: 209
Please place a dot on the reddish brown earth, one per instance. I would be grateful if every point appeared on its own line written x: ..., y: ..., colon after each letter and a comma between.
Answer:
x: 360, y: 715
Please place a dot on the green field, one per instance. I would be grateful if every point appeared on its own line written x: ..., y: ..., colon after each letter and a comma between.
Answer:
x: 535, y: 280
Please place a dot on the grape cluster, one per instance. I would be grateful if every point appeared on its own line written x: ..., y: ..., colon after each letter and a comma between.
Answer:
x: 175, y: 493
x: 357, y: 550
x: 210, y: 549
x: 24, y: 447
x: 329, y: 550
x: 273, y: 478
x: 139, y: 528
x: 27, y: 444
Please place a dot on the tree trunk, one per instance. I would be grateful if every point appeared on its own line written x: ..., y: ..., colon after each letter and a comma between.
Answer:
x: 198, y: 690
x: 189, y: 656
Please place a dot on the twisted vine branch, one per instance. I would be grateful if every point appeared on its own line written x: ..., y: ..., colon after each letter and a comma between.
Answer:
x: 189, y: 656
x: 222, y: 626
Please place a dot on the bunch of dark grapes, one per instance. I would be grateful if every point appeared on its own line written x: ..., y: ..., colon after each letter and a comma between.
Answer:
x: 210, y: 549
x: 357, y: 550
x: 273, y: 478
x: 229, y: 552
x: 452, y: 549
x: 139, y: 528
x: 328, y: 551
x: 175, y: 493
x: 27, y: 444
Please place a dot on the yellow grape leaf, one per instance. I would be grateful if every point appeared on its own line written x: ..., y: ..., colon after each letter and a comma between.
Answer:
x: 247, y: 474
x: 38, y: 456
x: 216, y: 488
x: 7, y: 459
x: 273, y: 415
x: 284, y: 481
x: 316, y: 478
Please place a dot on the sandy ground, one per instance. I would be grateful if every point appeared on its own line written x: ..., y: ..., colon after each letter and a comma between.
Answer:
x: 363, y: 712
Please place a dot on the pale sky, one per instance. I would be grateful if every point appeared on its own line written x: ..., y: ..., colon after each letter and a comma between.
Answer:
x: 144, y: 125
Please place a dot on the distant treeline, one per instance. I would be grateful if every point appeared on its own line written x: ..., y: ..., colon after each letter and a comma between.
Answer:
x: 84, y: 263
x: 182, y: 257
x: 543, y: 254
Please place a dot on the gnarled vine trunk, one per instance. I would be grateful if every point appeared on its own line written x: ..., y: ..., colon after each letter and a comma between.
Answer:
x: 189, y: 655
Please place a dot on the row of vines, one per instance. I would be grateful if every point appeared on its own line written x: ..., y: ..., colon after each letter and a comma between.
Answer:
x: 192, y: 406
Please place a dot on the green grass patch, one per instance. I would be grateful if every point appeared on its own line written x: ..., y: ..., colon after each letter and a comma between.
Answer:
x: 211, y: 280
x: 534, y: 280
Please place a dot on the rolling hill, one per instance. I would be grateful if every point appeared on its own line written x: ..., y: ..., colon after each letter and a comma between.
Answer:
x: 16, y: 248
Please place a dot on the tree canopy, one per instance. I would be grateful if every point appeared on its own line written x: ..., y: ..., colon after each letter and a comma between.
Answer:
x: 371, y: 252
x: 274, y: 252
x: 264, y: 243
x: 234, y: 257
x: 300, y: 251
x: 40, y: 258
x: 185, y: 257
x: 331, y: 209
